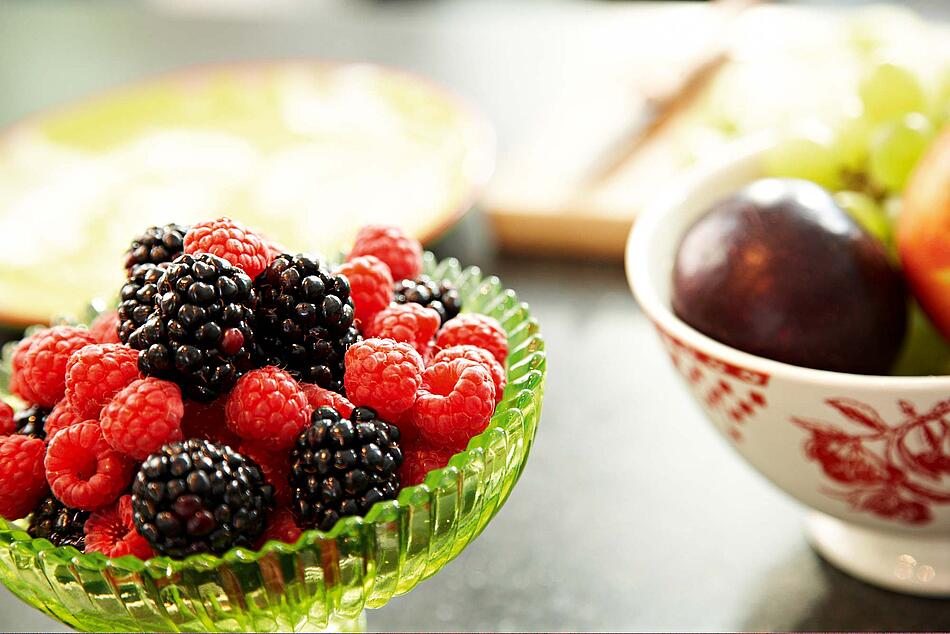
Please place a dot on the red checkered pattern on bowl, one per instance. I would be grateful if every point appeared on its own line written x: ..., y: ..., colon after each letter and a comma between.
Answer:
x: 737, y: 392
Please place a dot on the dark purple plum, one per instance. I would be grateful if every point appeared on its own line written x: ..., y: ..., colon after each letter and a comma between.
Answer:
x: 779, y: 270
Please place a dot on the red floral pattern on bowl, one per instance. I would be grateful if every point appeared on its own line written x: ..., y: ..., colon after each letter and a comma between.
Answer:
x: 896, y: 471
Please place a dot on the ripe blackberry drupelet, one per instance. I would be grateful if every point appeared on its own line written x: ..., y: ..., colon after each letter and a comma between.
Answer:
x: 200, y: 333
x: 442, y: 296
x: 137, y: 298
x: 156, y: 245
x: 199, y: 497
x: 305, y: 319
x: 62, y: 526
x: 31, y: 422
x: 341, y: 467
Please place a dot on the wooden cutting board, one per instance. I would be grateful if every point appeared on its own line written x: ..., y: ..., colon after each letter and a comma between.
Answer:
x: 603, y: 149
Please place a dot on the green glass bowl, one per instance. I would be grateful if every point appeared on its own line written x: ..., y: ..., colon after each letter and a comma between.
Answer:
x: 326, y: 579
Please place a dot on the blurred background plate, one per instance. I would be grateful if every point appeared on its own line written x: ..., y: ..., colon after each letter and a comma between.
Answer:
x: 304, y: 150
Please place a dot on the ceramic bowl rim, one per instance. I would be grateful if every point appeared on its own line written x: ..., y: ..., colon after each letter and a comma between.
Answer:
x: 742, y: 154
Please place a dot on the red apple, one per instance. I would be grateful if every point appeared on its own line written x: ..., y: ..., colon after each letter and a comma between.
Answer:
x: 923, y: 233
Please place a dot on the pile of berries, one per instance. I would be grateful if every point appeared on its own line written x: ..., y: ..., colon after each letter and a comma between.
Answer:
x: 240, y: 394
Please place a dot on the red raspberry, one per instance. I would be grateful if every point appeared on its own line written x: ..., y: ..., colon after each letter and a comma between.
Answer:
x: 417, y: 462
x: 475, y: 330
x: 96, y: 373
x: 383, y: 374
x: 319, y: 397
x: 281, y: 527
x: 60, y: 418
x: 207, y: 421
x: 232, y: 241
x: 17, y: 385
x: 275, y: 247
x: 14, y: 387
x: 455, y: 402
x: 267, y: 406
x: 410, y: 323
x: 408, y: 434
x: 105, y: 327
x: 7, y: 426
x: 111, y: 531
x: 44, y: 362
x: 22, y: 477
x: 371, y: 286
x: 142, y: 417
x: 84, y: 472
x: 479, y: 355
x: 402, y: 254
x: 275, y: 466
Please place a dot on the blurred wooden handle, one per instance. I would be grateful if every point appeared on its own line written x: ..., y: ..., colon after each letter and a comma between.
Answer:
x: 561, y: 194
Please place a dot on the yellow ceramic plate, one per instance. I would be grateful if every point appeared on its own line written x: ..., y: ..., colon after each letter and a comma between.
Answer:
x: 305, y: 151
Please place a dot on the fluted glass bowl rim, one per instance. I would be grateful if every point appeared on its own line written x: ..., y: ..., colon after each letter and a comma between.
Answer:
x: 380, y: 512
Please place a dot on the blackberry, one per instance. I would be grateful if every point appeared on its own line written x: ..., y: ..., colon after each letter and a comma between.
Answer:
x: 137, y: 298
x: 31, y: 422
x: 200, y: 333
x: 156, y: 245
x: 341, y: 467
x: 442, y: 296
x: 196, y: 496
x: 62, y: 526
x: 305, y: 319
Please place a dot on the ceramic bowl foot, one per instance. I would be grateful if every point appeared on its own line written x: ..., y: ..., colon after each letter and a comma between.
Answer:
x: 913, y: 564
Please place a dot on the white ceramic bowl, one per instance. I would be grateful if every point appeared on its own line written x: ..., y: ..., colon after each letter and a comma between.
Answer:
x: 870, y: 455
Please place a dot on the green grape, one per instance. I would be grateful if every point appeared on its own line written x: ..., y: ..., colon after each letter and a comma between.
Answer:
x: 869, y: 215
x: 852, y: 138
x: 940, y: 108
x: 925, y: 351
x: 892, y: 208
x: 896, y: 148
x: 806, y: 158
x: 889, y: 90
